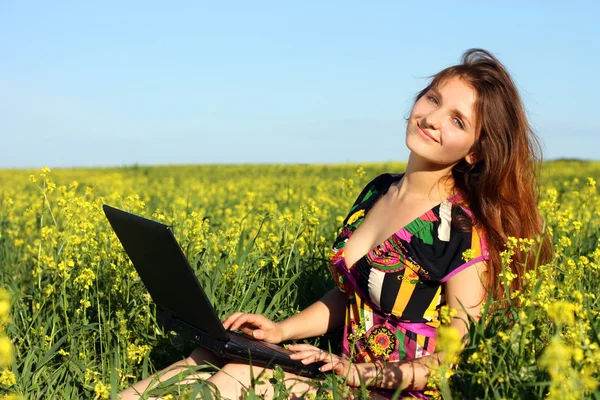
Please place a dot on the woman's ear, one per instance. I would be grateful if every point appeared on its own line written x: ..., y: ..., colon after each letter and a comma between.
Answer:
x: 470, y: 158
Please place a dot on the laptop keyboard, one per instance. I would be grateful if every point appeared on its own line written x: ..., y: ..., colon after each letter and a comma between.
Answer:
x: 266, y: 353
x: 244, y: 340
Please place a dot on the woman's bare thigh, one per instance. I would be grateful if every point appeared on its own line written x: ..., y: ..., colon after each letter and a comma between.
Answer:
x: 186, y: 370
x: 231, y: 379
x: 235, y: 378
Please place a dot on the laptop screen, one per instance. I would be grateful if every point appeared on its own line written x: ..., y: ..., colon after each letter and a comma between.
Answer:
x: 165, y: 271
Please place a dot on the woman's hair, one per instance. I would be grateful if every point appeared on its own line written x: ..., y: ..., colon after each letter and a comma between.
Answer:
x: 501, y: 185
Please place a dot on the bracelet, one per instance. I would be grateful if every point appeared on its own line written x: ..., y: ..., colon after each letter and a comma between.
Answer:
x: 378, y: 364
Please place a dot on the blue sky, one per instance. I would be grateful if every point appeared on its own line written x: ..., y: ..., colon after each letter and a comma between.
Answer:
x: 119, y: 83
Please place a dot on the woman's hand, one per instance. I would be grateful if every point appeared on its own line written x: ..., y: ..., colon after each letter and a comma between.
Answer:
x: 255, y: 325
x: 340, y: 366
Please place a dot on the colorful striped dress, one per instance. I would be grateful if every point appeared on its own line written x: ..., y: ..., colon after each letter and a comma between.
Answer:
x: 396, y: 290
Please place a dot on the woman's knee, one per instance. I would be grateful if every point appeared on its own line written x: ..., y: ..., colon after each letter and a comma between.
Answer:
x: 234, y: 373
x: 200, y: 356
x: 235, y: 378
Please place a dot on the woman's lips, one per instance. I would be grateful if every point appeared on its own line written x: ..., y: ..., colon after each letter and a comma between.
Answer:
x: 425, y: 134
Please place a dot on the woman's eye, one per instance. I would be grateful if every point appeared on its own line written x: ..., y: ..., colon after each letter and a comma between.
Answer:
x: 458, y: 123
x: 432, y: 99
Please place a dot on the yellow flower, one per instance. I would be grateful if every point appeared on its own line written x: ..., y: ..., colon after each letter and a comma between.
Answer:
x: 564, y: 241
x: 7, y: 378
x: 86, y: 278
x: 354, y: 217
x: 137, y: 353
x: 448, y: 342
x: 5, y: 295
x: 503, y: 336
x: 4, y: 312
x: 578, y: 354
x: 446, y: 314
x: 525, y: 244
x: 6, y: 351
x: 468, y: 255
x: 102, y: 391
x: 49, y: 290
x: 360, y: 172
x: 591, y: 182
x: 89, y: 375
x: 561, y: 312
x: 85, y: 303
x: 556, y: 355
x: 275, y: 260
x: 587, y: 379
x: 12, y: 396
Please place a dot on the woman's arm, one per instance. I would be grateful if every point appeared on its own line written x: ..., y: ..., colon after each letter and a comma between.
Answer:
x: 320, y: 317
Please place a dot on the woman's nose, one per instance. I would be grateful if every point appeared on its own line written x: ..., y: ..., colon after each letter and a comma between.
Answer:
x: 432, y: 120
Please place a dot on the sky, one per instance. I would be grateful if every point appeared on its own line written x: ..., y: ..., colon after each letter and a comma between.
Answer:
x: 86, y: 84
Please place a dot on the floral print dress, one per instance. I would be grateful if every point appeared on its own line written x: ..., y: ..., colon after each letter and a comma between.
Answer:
x: 396, y: 290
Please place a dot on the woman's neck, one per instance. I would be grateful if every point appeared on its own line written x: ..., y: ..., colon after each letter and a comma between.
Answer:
x: 426, y: 181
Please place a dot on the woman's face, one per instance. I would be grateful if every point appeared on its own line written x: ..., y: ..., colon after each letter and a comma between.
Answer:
x: 442, y: 126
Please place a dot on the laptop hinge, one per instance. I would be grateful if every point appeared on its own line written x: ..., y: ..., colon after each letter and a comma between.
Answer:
x: 167, y: 320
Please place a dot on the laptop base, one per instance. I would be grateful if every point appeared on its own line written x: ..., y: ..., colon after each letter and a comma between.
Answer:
x: 244, y: 349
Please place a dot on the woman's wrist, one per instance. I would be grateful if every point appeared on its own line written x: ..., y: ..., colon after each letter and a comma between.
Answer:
x: 378, y: 373
x: 371, y: 374
x: 283, y: 331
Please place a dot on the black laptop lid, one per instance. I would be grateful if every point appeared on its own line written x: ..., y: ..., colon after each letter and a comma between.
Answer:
x: 165, y: 271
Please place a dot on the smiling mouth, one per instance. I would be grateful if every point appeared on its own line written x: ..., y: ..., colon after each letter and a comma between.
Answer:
x: 425, y: 133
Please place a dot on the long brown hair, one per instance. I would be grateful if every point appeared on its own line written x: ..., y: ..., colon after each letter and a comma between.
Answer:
x: 501, y: 185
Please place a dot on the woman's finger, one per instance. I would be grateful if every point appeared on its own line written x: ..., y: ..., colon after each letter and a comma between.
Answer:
x: 303, y: 354
x: 322, y: 356
x: 229, y: 320
x: 248, y: 321
x: 302, y: 347
x: 326, y: 367
x: 327, y: 357
x: 241, y: 320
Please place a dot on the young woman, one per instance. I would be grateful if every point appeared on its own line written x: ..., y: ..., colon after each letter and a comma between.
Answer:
x: 415, y: 241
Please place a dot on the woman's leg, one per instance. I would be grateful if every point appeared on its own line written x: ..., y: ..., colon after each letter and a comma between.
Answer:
x: 200, y: 356
x: 235, y: 378
x: 231, y: 380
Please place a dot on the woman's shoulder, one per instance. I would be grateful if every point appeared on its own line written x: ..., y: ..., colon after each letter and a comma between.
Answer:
x: 448, y: 240
x: 381, y: 182
x: 378, y: 184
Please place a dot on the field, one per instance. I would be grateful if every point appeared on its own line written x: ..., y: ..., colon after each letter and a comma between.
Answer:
x: 81, y: 324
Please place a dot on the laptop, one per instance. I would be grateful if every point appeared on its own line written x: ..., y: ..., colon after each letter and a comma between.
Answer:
x: 181, y: 303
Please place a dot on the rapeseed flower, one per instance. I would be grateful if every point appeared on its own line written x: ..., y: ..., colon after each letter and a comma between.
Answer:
x: 561, y: 312
x: 137, y: 352
x: 468, y: 255
x: 4, y: 307
x: 85, y: 278
x: 446, y: 314
x: 7, y: 378
x: 6, y: 351
x: 449, y: 343
x: 102, y: 391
